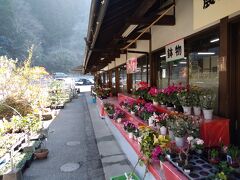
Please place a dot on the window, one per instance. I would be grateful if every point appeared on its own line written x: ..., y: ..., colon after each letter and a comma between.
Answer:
x: 123, y: 78
x: 143, y: 71
x: 178, y: 71
x: 203, y: 70
x: 113, y: 78
x: 162, y: 71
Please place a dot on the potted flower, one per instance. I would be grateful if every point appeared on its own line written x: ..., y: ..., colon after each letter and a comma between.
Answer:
x: 119, y: 114
x: 158, y: 154
x: 152, y: 120
x: 130, y: 128
x: 153, y: 95
x: 161, y: 96
x: 180, y: 130
x: 195, y: 95
x: 162, y: 123
x: 207, y: 100
x: 214, y: 156
x: 146, y: 111
x: 170, y: 121
x: 136, y: 134
x: 142, y: 90
x: 171, y: 95
x: 233, y: 153
x: 134, y: 108
x: 198, y: 145
x: 185, y: 100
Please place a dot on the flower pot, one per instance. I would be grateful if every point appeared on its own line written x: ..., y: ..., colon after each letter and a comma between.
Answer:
x: 163, y: 105
x: 161, y: 165
x: 208, y: 114
x: 132, y: 113
x: 139, y: 139
x: 187, y: 110
x: 170, y: 108
x: 171, y: 135
x: 179, y: 141
x: 119, y: 120
x: 163, y: 130
x: 213, y: 161
x: 130, y: 135
x: 41, y: 153
x: 197, y: 111
x: 155, y: 103
x: 150, y: 122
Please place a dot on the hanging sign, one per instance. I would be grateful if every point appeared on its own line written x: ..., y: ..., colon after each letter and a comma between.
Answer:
x: 131, y: 65
x: 175, y: 50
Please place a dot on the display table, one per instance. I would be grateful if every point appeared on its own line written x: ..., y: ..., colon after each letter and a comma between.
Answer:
x: 213, y: 132
x: 132, y: 149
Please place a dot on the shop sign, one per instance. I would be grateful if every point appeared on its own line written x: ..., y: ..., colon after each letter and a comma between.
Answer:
x: 131, y: 65
x: 206, y: 12
x: 175, y: 50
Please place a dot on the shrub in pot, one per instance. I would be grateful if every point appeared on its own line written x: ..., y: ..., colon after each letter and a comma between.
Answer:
x: 195, y: 95
x: 180, y: 128
x: 185, y: 100
x: 214, y: 156
x: 162, y: 123
x: 119, y: 114
x: 207, y: 100
x: 129, y: 128
x: 170, y: 120
x: 233, y: 152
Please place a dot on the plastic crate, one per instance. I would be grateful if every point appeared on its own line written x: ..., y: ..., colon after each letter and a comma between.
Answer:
x: 123, y: 177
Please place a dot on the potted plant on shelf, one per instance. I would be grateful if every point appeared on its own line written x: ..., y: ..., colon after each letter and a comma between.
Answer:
x: 162, y: 98
x: 195, y: 95
x: 119, y: 114
x: 180, y: 130
x: 197, y: 145
x: 233, y: 154
x: 171, y: 96
x: 185, y: 100
x: 170, y: 120
x: 161, y: 121
x: 137, y: 135
x: 214, y: 156
x: 142, y: 90
x: 146, y: 111
x: 207, y: 100
x: 130, y: 128
x: 158, y: 154
x: 153, y: 95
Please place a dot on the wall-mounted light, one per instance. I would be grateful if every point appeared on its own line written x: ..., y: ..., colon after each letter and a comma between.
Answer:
x: 214, y: 40
x: 163, y: 55
x: 183, y: 62
x: 206, y: 53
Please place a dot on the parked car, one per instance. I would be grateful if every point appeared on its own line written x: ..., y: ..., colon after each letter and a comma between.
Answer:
x: 82, y: 82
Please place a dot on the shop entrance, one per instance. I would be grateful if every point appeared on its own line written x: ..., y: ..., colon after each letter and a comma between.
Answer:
x: 235, y: 82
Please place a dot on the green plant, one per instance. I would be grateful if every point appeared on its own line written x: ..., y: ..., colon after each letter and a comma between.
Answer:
x: 185, y: 98
x: 221, y: 176
x: 180, y: 127
x: 195, y: 93
x: 234, y: 152
x: 170, y: 121
x: 214, y: 154
x: 207, y: 99
x: 147, y: 143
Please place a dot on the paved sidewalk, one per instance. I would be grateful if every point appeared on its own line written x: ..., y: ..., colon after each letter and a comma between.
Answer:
x: 113, y: 159
x: 72, y: 141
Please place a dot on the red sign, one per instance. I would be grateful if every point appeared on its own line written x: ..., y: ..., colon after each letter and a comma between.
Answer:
x: 131, y: 65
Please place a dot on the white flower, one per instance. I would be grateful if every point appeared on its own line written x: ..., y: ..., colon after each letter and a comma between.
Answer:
x: 189, y: 139
x: 199, y: 141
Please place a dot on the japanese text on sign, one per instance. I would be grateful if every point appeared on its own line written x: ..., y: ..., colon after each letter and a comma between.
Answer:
x: 175, y: 50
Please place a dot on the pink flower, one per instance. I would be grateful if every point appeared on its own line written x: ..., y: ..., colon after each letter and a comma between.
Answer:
x: 153, y: 91
x: 157, y: 151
